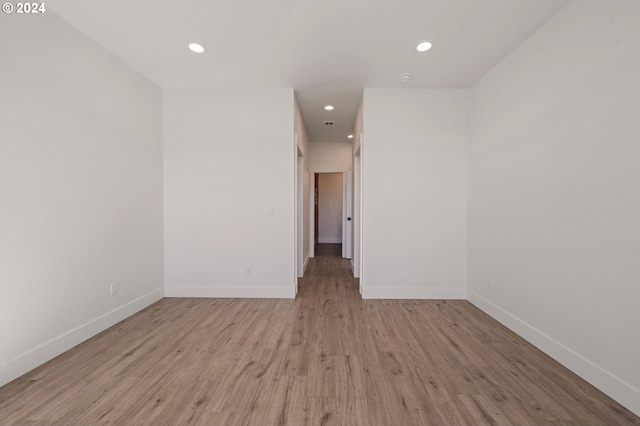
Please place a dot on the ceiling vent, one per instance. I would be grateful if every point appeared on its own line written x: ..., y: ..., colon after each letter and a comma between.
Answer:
x: 328, y: 123
x: 404, y: 78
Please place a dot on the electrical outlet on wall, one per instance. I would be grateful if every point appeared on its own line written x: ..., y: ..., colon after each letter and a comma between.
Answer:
x: 114, y: 288
x: 490, y: 281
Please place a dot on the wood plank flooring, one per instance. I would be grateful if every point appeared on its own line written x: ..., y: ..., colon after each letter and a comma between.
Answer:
x: 328, y: 249
x: 327, y: 358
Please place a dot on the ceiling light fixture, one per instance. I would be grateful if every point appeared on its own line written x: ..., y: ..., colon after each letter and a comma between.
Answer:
x: 424, y: 46
x: 350, y: 136
x: 196, y: 47
x: 405, y: 77
x: 329, y: 107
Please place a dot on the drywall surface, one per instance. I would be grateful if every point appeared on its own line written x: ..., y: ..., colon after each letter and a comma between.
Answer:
x: 331, y: 157
x: 80, y: 190
x: 415, y: 193
x: 554, y: 235
x: 229, y: 193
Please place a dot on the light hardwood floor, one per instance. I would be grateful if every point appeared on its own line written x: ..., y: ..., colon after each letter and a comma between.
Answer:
x: 326, y: 358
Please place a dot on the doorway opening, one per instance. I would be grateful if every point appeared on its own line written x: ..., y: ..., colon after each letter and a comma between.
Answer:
x: 331, y: 214
x: 328, y: 214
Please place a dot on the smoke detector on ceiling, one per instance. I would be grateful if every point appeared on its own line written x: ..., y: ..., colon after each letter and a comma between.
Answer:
x: 405, y: 77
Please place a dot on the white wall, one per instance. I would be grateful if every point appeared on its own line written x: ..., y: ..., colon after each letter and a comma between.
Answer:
x: 331, y: 157
x: 229, y: 193
x: 415, y: 193
x: 80, y: 191
x: 303, y: 143
x: 329, y: 208
x: 554, y: 193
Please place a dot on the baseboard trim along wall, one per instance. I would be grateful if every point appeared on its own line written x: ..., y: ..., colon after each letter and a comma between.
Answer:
x: 234, y: 292
x: 26, y: 362
x: 330, y: 240
x: 414, y: 293
x: 611, y: 385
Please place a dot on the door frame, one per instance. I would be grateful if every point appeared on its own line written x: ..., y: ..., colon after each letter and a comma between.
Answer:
x: 358, y: 208
x: 346, y: 208
x: 298, y: 213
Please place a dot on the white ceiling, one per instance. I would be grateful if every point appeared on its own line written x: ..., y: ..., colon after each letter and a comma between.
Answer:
x: 327, y: 50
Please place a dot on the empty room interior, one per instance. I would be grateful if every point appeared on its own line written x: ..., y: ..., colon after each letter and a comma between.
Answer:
x: 337, y: 212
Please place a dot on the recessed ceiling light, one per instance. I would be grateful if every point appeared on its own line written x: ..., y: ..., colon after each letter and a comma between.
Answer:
x: 329, y: 107
x: 196, y: 47
x: 350, y: 136
x: 424, y: 46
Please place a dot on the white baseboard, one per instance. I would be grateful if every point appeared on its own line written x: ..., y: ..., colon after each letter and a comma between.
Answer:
x: 26, y: 362
x: 611, y: 385
x: 414, y: 293
x: 231, y: 292
x: 330, y: 240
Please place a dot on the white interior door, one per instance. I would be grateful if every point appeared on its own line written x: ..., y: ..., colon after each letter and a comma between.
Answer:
x: 347, y: 214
